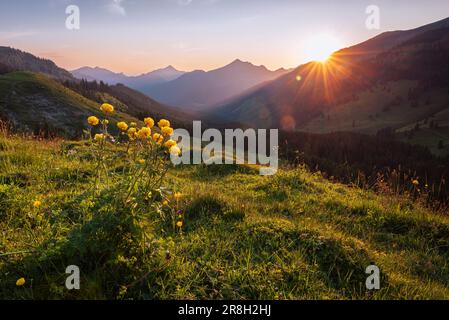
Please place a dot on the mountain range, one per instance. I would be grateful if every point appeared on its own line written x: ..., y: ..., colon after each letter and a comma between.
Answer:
x: 200, y: 89
x: 395, y: 84
x: 189, y: 90
x: 141, y: 82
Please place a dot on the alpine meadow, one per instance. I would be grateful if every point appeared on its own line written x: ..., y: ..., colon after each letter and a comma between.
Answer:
x: 144, y: 157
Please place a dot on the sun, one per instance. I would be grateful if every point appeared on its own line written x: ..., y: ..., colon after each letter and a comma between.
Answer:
x: 320, y: 47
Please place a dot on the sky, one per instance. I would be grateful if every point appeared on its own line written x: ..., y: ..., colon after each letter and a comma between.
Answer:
x: 137, y: 36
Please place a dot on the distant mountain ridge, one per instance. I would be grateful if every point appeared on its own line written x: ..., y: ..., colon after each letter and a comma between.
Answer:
x: 199, y: 89
x: 17, y: 60
x: 140, y: 82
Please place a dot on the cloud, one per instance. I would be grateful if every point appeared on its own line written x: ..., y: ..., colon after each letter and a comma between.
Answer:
x: 184, y: 2
x: 116, y: 7
x: 13, y: 35
x: 187, y: 2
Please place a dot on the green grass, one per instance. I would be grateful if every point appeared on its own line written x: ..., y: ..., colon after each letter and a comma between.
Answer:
x: 290, y: 236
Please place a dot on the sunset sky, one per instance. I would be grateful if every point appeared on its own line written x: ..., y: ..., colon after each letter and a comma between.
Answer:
x: 136, y: 36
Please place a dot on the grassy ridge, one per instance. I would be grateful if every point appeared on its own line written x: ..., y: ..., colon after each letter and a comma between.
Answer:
x: 34, y: 102
x: 292, y: 236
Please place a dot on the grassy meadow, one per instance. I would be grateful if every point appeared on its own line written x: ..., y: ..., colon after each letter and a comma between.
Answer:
x: 295, y: 235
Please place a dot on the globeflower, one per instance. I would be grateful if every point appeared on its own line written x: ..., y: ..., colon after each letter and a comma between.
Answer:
x: 20, y: 282
x: 93, y: 121
x: 99, y: 137
x: 37, y: 204
x: 175, y: 151
x: 122, y: 126
x: 179, y: 224
x: 132, y: 133
x: 149, y: 122
x: 167, y: 131
x: 107, y: 108
x: 177, y: 195
x: 170, y: 143
x: 144, y: 133
x: 158, y: 138
x: 163, y: 123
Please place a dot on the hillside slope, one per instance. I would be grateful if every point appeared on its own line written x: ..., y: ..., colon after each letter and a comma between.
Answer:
x: 17, y: 60
x: 388, y: 40
x: 35, y: 103
x: 295, y: 235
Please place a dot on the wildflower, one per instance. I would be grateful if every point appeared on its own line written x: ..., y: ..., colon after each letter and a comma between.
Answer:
x: 122, y: 126
x: 105, y: 122
x: 170, y: 143
x: 132, y: 133
x: 163, y: 123
x: 158, y: 138
x: 165, y: 203
x: 93, y: 121
x: 133, y: 124
x: 99, y: 137
x: 167, y: 131
x: 179, y: 224
x: 107, y: 108
x: 175, y: 151
x: 144, y: 133
x: 149, y: 122
x: 141, y: 161
x: 415, y: 182
x: 20, y: 282
x: 37, y: 204
x: 177, y: 195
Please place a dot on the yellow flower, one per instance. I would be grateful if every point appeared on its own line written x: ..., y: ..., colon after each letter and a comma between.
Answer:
x: 105, y: 122
x: 149, y: 122
x: 20, y: 282
x: 415, y: 182
x: 37, y: 204
x: 175, y: 151
x: 142, y: 161
x: 99, y: 137
x: 167, y: 131
x: 177, y: 195
x: 163, y: 123
x: 133, y: 124
x: 158, y: 138
x: 165, y: 203
x: 122, y: 126
x: 93, y: 121
x: 132, y: 133
x: 179, y: 224
x: 107, y: 108
x: 170, y: 143
x: 144, y: 133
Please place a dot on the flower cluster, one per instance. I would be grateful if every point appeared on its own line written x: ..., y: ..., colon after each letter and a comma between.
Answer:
x: 143, y: 155
x: 147, y: 133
